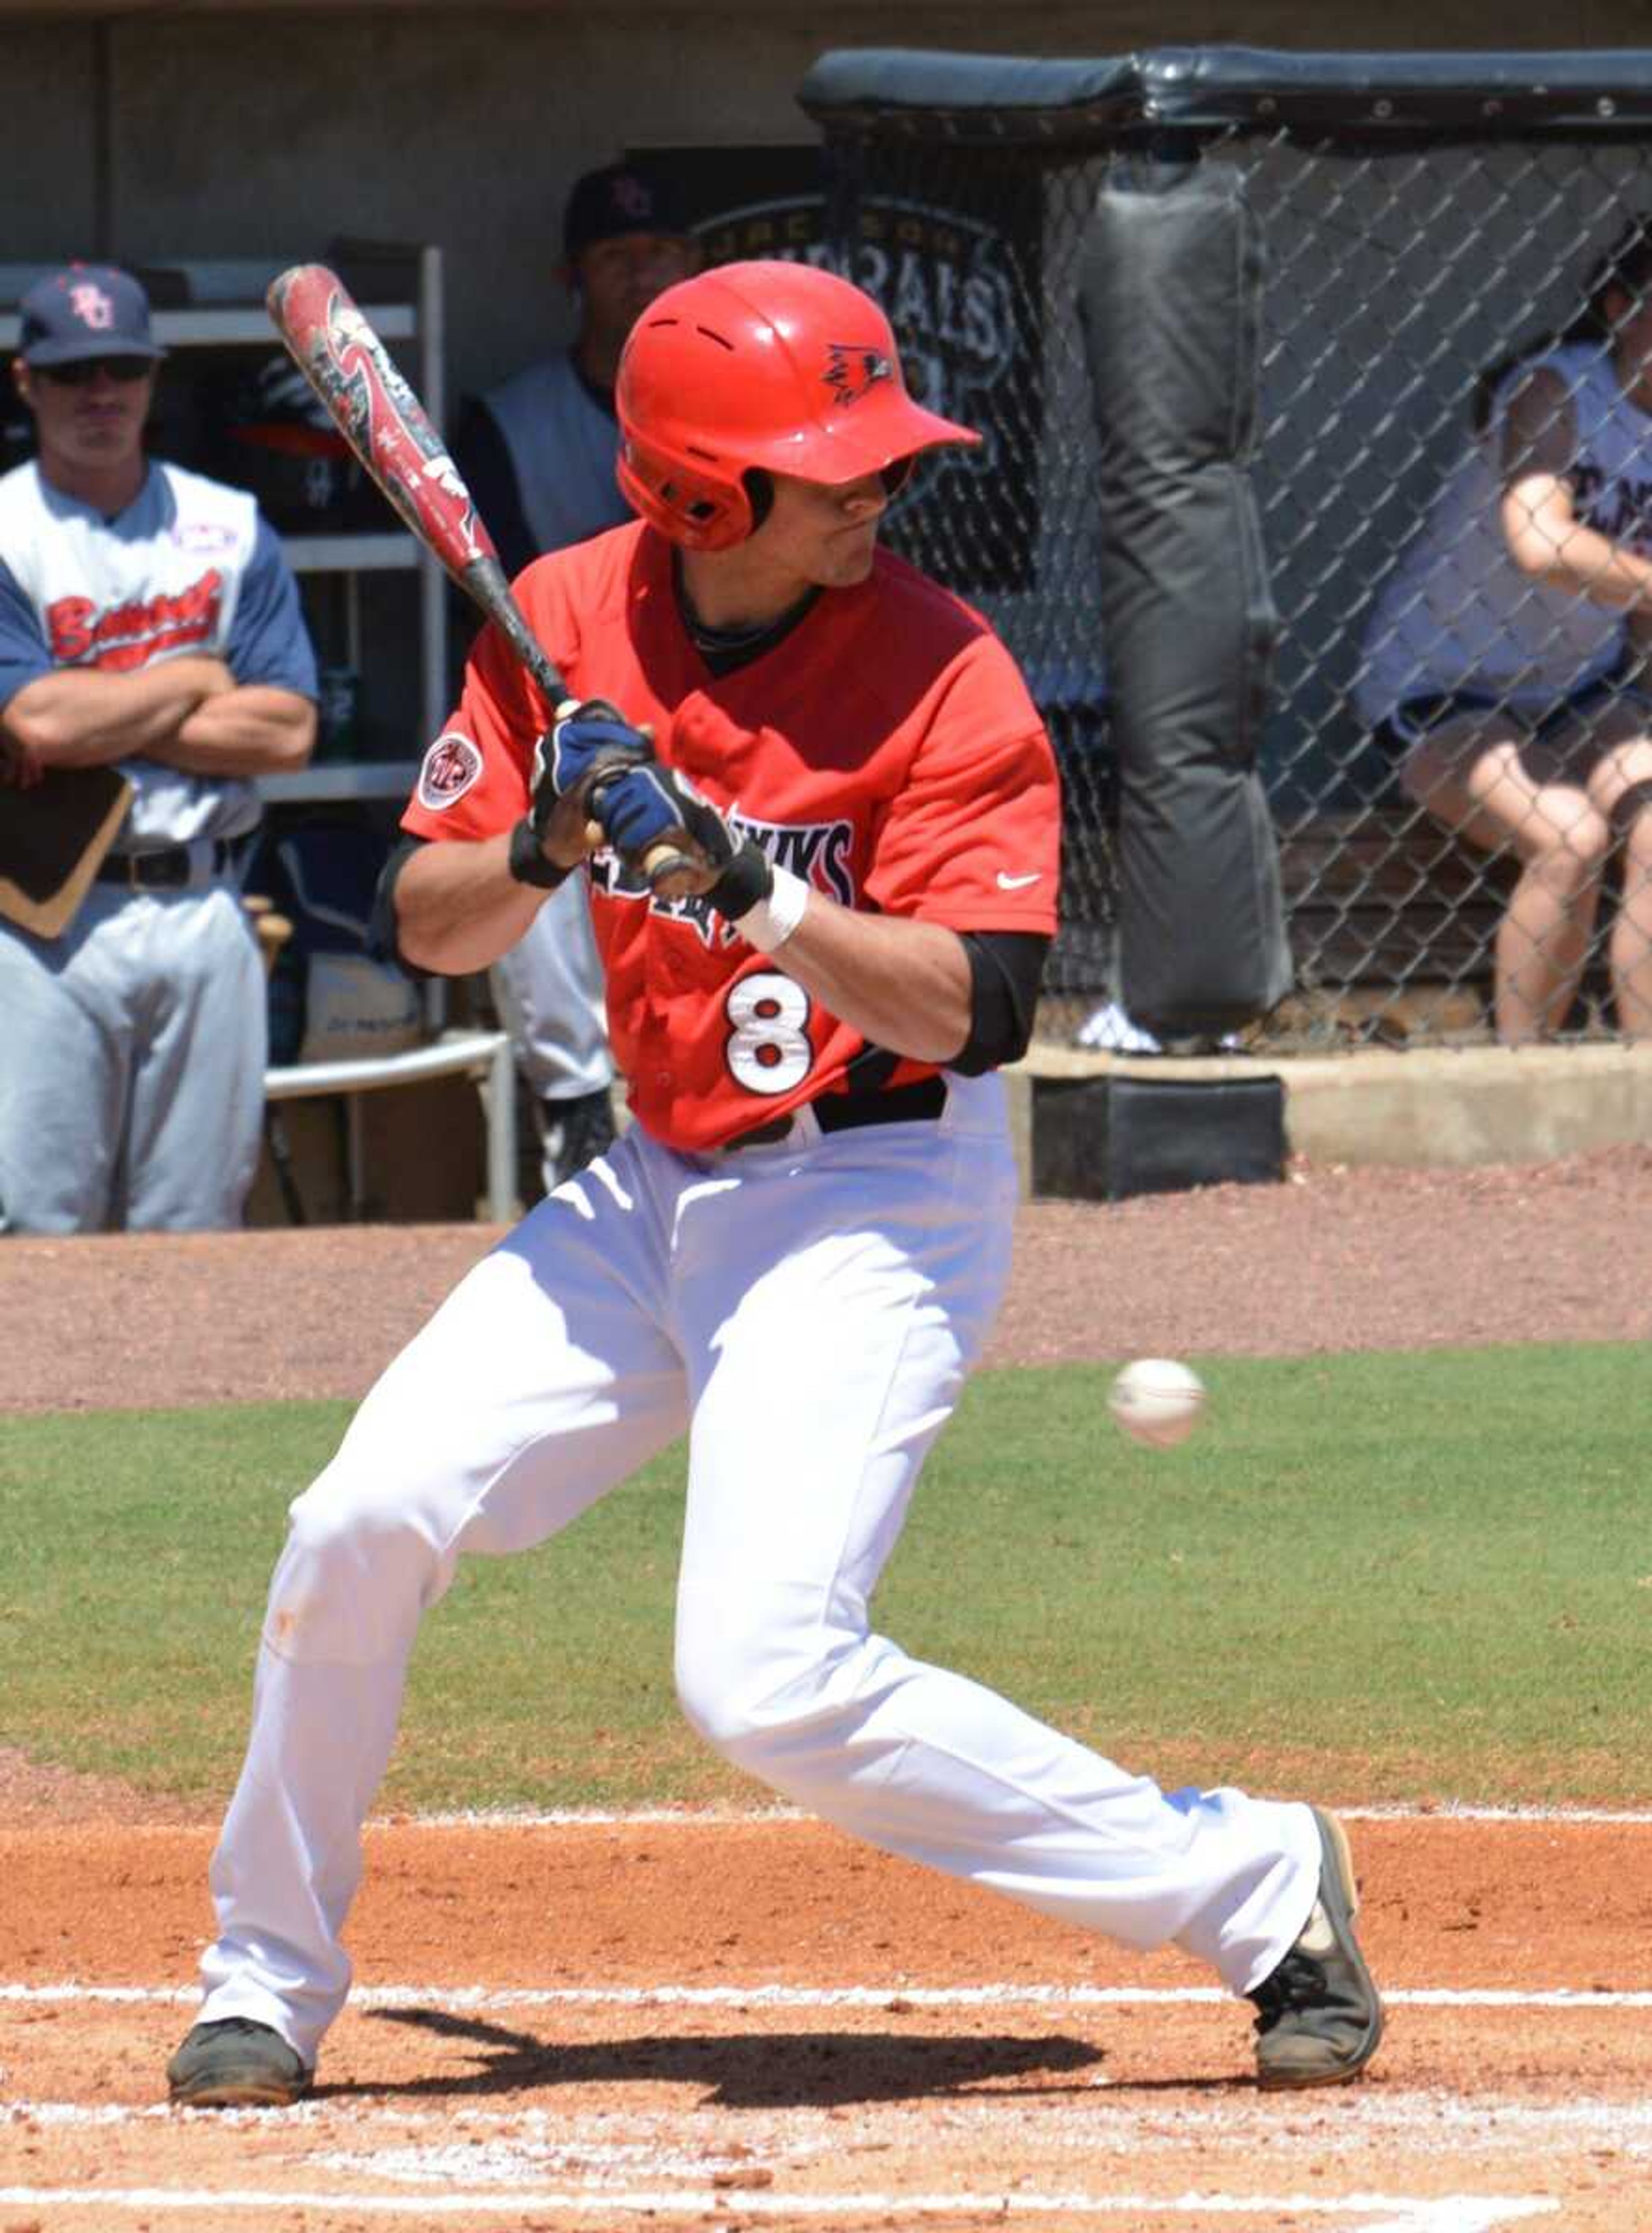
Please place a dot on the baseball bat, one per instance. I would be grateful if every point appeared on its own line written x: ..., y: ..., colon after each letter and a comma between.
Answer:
x: 389, y: 431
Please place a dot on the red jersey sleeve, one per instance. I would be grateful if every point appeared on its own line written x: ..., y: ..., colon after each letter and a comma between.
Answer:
x: 973, y: 838
x: 476, y: 778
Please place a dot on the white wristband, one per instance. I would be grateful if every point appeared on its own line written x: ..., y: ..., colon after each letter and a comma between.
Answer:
x: 771, y: 921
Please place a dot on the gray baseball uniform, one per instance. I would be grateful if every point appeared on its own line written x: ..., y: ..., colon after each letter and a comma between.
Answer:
x: 131, y: 1063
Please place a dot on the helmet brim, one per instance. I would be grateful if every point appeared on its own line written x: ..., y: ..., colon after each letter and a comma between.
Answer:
x: 846, y: 444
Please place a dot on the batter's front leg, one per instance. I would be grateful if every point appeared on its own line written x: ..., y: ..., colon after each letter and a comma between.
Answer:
x: 289, y: 1859
x: 542, y: 1380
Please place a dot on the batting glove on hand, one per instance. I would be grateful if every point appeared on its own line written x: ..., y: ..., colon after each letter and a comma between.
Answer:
x: 654, y: 818
x: 589, y: 741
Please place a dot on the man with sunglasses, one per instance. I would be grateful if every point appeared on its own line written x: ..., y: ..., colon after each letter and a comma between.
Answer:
x: 147, y: 620
x: 795, y: 1253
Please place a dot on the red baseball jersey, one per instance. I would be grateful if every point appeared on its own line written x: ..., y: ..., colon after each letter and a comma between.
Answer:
x: 885, y: 750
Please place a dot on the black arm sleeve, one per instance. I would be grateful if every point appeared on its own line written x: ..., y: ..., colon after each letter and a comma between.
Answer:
x: 381, y: 925
x: 1004, y: 968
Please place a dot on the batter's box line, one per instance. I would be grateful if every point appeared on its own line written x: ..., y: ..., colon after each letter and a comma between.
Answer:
x: 1362, y: 2213
x: 463, y: 1998
x: 763, y: 1818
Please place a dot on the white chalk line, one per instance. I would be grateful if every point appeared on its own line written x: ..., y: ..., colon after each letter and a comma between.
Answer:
x: 514, y: 2151
x: 1359, y: 2116
x: 715, y: 1817
x: 1371, y: 2213
x: 893, y: 1997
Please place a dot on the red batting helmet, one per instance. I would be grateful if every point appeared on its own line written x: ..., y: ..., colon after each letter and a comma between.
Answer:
x: 772, y: 368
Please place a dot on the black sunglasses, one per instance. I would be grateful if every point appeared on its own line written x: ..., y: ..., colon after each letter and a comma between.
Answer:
x: 86, y: 369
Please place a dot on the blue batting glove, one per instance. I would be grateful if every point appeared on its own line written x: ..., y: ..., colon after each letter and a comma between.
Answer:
x: 656, y: 821
x: 589, y: 741
x: 642, y: 807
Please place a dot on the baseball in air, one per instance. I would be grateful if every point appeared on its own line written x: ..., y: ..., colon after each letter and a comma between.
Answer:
x: 1157, y: 1400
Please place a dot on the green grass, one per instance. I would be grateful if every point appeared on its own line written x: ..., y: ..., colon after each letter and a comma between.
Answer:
x: 1417, y: 1576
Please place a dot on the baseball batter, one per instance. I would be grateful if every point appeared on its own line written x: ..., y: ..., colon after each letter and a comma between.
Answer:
x: 148, y: 619
x: 795, y: 1251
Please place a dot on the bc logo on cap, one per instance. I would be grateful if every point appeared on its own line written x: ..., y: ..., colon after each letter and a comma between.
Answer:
x: 92, y: 306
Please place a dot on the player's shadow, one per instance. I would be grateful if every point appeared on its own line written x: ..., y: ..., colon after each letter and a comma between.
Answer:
x: 756, y: 2070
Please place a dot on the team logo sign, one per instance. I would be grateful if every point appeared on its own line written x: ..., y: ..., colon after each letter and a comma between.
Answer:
x: 451, y: 765
x: 852, y: 372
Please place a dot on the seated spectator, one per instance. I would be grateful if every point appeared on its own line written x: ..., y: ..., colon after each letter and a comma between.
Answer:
x: 148, y: 621
x: 1504, y: 659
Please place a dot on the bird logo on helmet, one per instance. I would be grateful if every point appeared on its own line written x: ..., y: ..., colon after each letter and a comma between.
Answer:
x: 757, y: 368
x: 850, y: 373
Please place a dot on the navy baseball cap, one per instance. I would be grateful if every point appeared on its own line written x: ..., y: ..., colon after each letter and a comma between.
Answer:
x: 85, y: 310
x: 619, y: 199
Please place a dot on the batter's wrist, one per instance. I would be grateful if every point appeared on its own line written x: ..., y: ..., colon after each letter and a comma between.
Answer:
x: 769, y: 922
x: 527, y: 861
x: 748, y: 879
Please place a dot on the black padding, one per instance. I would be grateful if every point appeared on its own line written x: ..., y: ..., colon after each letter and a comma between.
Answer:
x: 1169, y: 297
x: 1374, y: 96
x: 867, y: 86
x: 1103, y: 1139
x: 1349, y: 101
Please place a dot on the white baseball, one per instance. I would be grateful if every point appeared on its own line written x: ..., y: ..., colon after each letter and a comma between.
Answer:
x: 1157, y: 1400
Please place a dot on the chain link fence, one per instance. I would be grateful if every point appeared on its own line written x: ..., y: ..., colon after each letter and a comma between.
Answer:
x: 1419, y: 231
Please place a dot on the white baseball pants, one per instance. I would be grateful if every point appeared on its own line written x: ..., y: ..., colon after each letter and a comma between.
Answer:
x: 808, y: 1311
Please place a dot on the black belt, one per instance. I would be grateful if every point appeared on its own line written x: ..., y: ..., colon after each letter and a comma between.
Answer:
x: 166, y: 870
x: 842, y: 1112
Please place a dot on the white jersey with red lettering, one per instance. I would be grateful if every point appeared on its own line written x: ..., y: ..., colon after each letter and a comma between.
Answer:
x: 133, y: 1057
x: 885, y: 751
x: 163, y: 579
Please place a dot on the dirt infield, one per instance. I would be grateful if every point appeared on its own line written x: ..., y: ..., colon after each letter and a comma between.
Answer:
x: 751, y: 2021
x: 1332, y: 1260
x: 605, y: 2025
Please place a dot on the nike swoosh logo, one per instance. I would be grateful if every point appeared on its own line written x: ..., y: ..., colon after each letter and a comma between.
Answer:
x: 1008, y: 884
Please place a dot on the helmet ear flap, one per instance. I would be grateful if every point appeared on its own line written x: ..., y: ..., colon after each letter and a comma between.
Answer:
x: 698, y: 510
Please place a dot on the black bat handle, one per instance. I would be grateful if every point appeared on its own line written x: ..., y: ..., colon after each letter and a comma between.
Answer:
x: 483, y: 579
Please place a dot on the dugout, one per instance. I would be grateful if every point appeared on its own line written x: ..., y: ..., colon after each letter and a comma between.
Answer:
x: 161, y: 135
x: 1417, y: 215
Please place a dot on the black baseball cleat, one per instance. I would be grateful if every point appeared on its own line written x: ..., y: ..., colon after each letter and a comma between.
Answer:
x: 1320, y: 2018
x: 236, y: 2064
